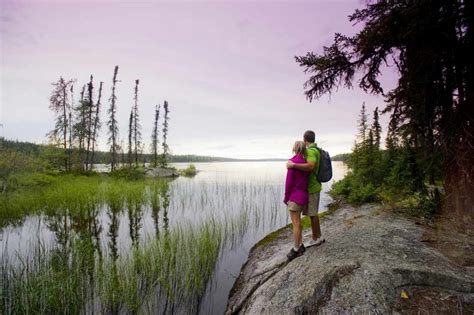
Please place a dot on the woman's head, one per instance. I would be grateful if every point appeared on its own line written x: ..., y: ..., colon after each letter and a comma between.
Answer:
x: 299, y: 148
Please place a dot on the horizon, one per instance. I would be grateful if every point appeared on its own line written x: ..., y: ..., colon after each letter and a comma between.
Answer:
x: 235, y: 90
x: 184, y: 154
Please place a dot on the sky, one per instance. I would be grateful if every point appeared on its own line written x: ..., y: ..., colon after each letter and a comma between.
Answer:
x: 226, y: 68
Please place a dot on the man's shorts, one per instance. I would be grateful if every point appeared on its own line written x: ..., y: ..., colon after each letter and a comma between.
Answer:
x: 313, y: 204
x: 293, y: 206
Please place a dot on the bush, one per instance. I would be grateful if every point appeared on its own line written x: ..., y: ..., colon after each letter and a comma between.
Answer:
x: 135, y: 173
x: 189, y: 171
x: 341, y: 188
x: 363, y: 193
x: 31, y: 180
x: 81, y: 172
x: 352, y: 190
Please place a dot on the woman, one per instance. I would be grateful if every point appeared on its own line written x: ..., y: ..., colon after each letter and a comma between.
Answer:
x: 296, y: 197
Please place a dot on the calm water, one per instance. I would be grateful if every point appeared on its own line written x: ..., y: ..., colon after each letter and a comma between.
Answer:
x: 220, y: 190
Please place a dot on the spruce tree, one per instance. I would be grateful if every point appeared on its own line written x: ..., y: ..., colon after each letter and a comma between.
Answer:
x: 97, y: 123
x: 154, y: 136
x: 363, y: 126
x: 434, y: 96
x: 89, y: 119
x: 112, y: 123
x: 130, y: 143
x: 164, y: 156
x: 376, y: 129
x: 60, y: 105
x: 136, y: 125
x: 79, y: 114
x: 70, y: 125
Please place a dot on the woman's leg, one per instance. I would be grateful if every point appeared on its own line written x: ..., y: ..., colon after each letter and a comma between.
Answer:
x: 295, y: 219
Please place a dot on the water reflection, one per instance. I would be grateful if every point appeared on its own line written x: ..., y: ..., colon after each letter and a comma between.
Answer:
x: 172, y: 236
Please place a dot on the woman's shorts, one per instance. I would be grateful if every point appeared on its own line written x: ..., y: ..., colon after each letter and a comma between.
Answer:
x: 293, y: 206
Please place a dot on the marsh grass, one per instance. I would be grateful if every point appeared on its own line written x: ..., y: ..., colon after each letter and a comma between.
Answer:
x: 70, y: 194
x: 167, y: 271
x: 68, y: 280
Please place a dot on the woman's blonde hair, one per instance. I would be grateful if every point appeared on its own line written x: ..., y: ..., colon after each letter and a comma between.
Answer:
x: 299, y: 148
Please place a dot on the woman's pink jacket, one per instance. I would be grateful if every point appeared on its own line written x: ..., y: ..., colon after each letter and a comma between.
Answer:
x: 296, y: 186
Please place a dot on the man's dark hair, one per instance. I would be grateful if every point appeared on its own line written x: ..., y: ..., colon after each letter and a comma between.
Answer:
x: 309, y: 136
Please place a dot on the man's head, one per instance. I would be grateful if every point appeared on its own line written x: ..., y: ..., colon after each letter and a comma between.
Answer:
x: 309, y: 137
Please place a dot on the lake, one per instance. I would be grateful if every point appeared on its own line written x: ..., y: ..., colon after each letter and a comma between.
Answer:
x: 242, y: 200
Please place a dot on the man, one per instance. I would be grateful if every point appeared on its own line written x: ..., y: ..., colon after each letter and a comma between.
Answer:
x: 314, y: 187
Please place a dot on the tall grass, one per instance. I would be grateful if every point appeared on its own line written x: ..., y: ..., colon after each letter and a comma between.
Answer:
x: 85, y: 269
x: 176, y: 267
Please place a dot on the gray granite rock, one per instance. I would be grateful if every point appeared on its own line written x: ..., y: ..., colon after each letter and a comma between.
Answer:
x: 368, y: 257
x: 161, y: 172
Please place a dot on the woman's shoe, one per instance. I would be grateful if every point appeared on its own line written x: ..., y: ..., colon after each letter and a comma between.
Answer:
x: 302, y: 248
x: 296, y: 253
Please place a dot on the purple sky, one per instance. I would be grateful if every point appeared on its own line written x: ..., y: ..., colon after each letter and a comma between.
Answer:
x: 226, y: 68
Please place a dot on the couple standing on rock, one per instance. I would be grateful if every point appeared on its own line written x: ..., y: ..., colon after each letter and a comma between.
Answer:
x: 302, y: 191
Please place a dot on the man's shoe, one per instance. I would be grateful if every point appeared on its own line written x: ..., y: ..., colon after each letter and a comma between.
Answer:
x: 316, y: 242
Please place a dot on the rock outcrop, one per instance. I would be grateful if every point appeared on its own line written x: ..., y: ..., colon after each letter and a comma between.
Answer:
x: 368, y: 259
x: 161, y: 172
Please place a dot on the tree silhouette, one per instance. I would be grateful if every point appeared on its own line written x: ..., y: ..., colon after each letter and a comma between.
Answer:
x: 154, y: 136
x: 376, y: 128
x: 112, y: 123
x: 97, y: 123
x: 130, y: 143
x: 431, y: 45
x: 89, y: 119
x: 164, y: 156
x: 136, y: 125
x: 61, y: 106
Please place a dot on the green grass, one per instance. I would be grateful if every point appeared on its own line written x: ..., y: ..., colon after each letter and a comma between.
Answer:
x: 71, y: 194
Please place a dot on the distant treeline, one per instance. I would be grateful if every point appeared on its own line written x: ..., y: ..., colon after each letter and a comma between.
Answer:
x: 340, y: 157
x: 100, y: 157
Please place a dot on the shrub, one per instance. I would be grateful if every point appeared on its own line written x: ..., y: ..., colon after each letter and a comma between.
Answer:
x: 341, y: 188
x: 31, y: 180
x: 189, y: 171
x: 135, y: 173
x: 352, y: 190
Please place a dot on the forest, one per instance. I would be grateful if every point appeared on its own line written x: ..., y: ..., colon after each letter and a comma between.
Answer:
x: 430, y: 139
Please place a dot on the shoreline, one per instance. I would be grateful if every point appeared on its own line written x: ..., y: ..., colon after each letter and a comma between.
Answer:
x: 369, y: 258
